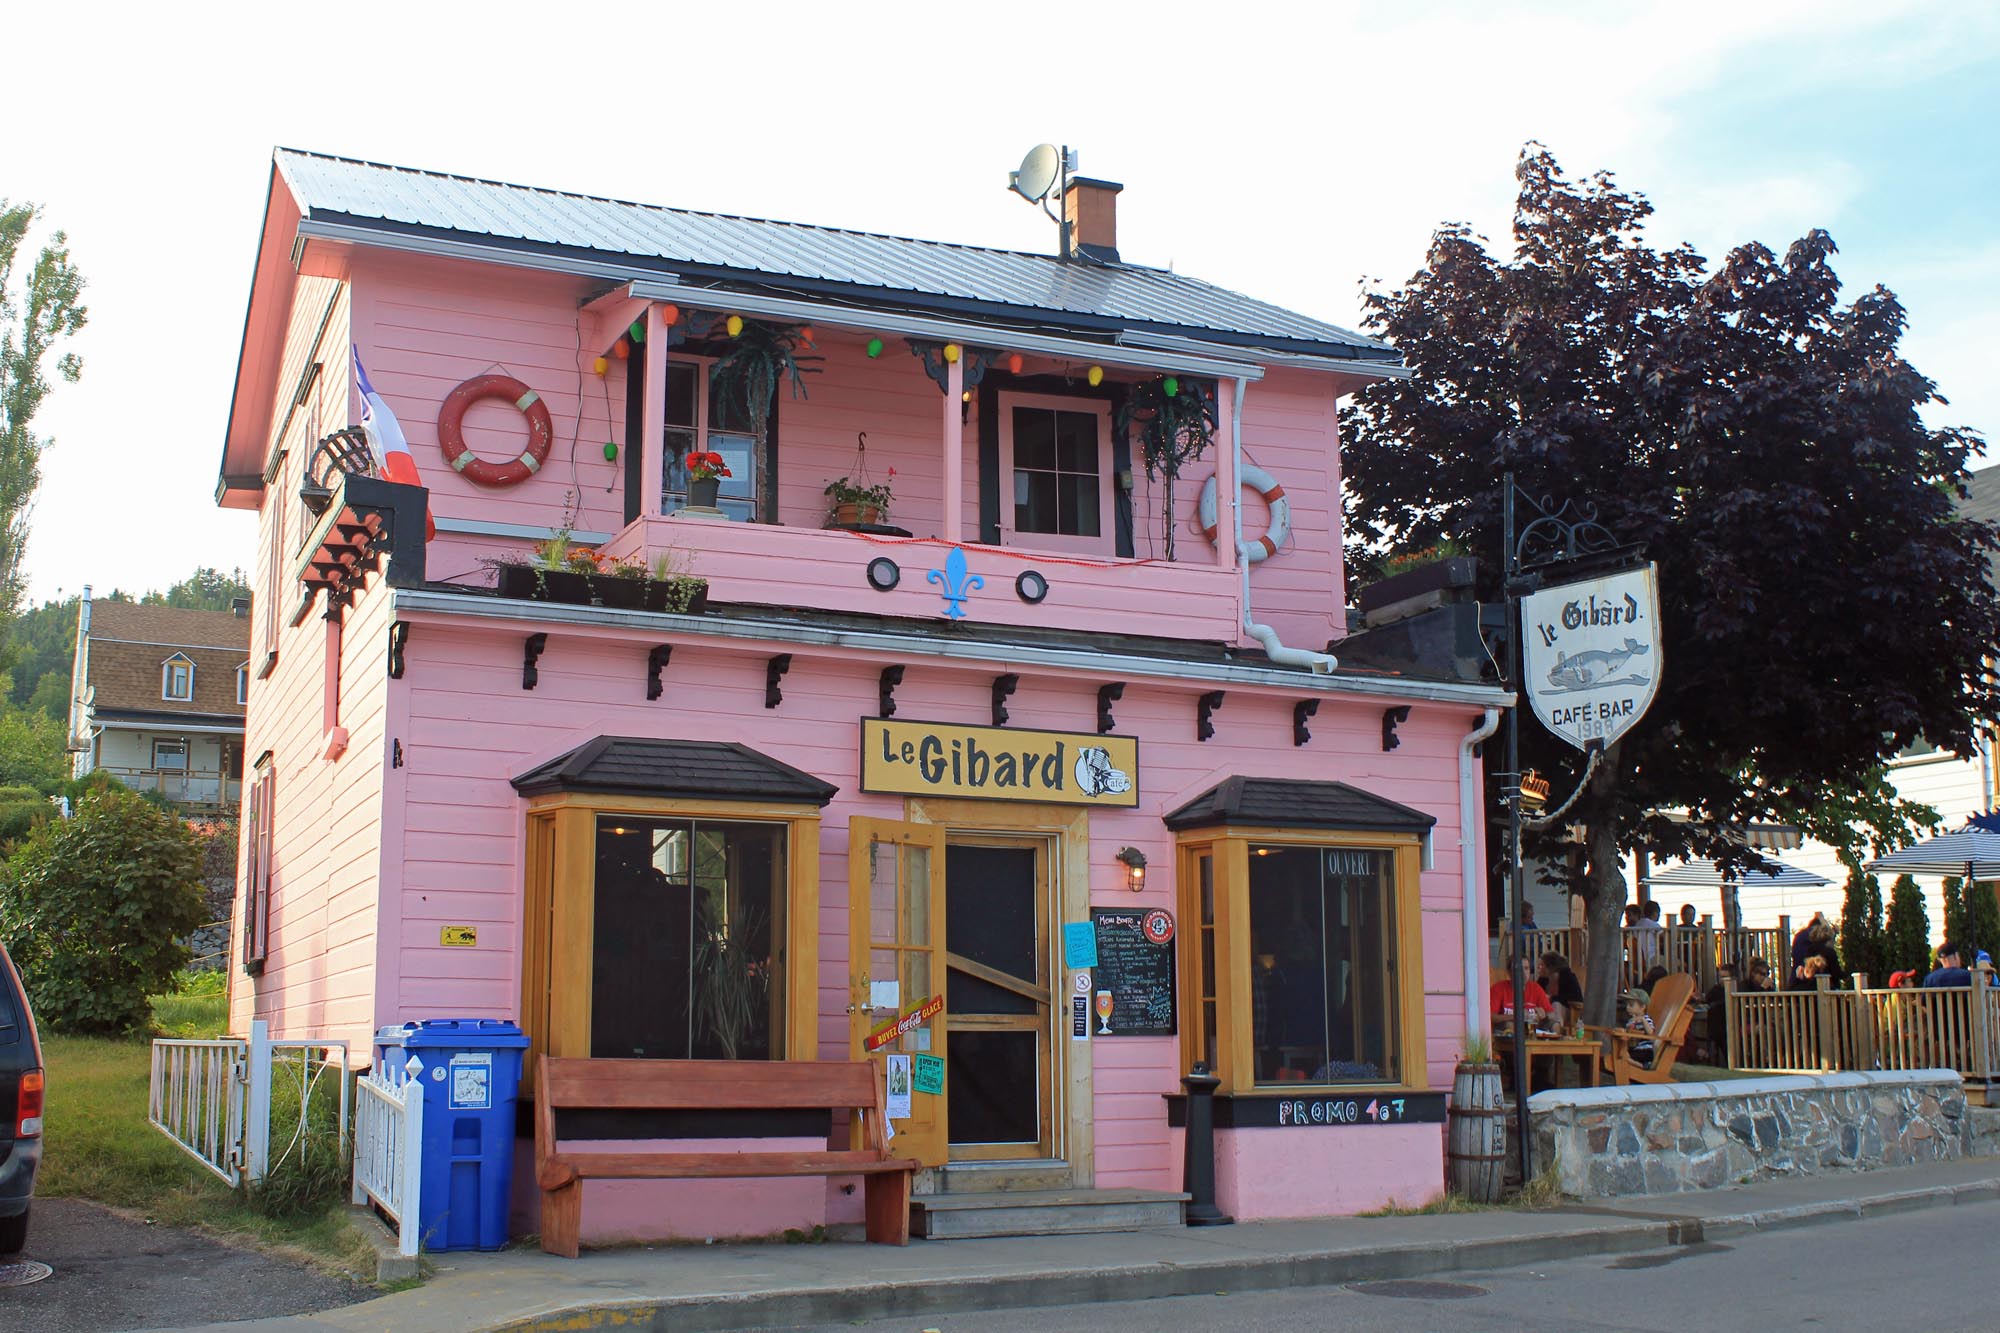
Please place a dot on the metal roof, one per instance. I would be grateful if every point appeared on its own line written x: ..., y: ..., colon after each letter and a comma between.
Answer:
x: 1107, y: 298
x: 1297, y: 803
x: 645, y: 766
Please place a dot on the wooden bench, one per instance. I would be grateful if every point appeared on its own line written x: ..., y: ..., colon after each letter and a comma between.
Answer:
x: 715, y: 1085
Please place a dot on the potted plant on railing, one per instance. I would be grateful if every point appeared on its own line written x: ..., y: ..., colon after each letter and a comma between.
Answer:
x: 856, y: 504
x: 1417, y: 580
x: 705, y: 470
x: 1175, y: 423
x: 634, y: 585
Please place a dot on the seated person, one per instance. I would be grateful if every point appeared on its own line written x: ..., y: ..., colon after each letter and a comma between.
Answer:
x: 1653, y: 978
x: 1638, y: 1020
x: 1501, y: 1000
x: 1983, y: 965
x: 1718, y: 1011
x: 1950, y: 970
x: 1758, y: 977
x: 1565, y: 992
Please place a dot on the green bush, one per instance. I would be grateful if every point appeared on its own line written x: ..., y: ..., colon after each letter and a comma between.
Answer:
x: 1907, y: 941
x: 95, y: 910
x: 1861, y: 932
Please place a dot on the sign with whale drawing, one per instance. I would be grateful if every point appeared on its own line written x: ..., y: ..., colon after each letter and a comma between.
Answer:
x: 998, y: 763
x: 1591, y: 654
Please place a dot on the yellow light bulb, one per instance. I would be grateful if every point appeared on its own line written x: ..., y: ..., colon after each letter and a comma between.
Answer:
x: 1096, y: 376
x: 735, y: 325
x: 951, y: 353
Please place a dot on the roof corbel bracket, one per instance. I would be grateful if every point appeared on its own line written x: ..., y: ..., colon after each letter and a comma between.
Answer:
x: 656, y: 662
x: 885, y: 691
x: 774, y: 672
x: 1303, y: 709
x: 1204, y: 714
x: 531, y: 652
x: 1003, y: 689
x: 1391, y: 719
x: 1106, y: 696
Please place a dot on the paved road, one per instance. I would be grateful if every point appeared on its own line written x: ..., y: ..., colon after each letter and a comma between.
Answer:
x: 1925, y: 1270
x: 114, y: 1273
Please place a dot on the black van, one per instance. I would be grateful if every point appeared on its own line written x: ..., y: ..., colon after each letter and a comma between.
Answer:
x: 21, y: 1086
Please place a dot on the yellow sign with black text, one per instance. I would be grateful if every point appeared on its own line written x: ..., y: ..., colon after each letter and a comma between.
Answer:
x: 998, y: 763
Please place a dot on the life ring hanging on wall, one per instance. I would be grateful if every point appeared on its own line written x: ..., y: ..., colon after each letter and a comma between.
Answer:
x: 451, y: 431
x: 1262, y: 482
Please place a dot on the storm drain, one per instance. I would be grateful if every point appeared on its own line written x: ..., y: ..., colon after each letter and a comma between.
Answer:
x: 1420, y: 1291
x: 21, y: 1272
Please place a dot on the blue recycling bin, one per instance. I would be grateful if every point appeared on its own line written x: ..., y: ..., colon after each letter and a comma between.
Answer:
x: 471, y: 1073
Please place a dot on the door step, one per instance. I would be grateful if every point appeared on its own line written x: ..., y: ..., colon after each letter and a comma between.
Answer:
x: 1008, y: 1176
x: 1043, y: 1212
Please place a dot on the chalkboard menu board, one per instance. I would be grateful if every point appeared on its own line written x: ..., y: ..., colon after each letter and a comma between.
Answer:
x: 1135, y: 962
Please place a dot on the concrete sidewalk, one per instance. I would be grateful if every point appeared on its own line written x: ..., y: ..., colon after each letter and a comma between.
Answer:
x: 760, y: 1286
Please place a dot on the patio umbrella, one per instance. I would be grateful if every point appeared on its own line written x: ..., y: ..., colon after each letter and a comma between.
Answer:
x: 1973, y: 851
x: 1704, y: 874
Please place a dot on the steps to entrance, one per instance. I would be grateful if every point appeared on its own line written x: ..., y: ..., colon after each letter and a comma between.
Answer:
x: 1043, y: 1212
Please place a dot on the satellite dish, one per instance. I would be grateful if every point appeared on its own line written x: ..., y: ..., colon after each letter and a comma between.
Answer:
x: 1037, y: 174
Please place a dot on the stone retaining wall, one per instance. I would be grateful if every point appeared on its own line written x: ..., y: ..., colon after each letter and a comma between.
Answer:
x: 1605, y: 1142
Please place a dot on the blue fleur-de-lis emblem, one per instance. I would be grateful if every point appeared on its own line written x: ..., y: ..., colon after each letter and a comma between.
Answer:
x: 956, y: 582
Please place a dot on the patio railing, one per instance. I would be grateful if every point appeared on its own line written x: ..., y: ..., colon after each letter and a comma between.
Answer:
x: 388, y: 1151
x: 1944, y: 1027
x: 1696, y: 950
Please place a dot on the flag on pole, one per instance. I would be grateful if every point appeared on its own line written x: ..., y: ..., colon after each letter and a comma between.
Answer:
x: 385, y: 437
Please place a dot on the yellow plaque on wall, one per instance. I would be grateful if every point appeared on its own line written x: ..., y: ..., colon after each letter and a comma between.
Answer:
x: 459, y: 937
x: 998, y: 763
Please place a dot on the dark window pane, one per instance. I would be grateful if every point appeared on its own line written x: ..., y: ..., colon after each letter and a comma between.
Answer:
x: 683, y: 382
x: 1322, y: 965
x: 1034, y: 438
x: 726, y: 411
x: 991, y: 922
x: 1076, y: 441
x: 1035, y: 508
x: 991, y: 1088
x: 686, y: 924
x: 1079, y: 506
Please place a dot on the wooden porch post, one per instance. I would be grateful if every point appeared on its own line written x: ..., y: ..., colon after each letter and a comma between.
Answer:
x: 653, y: 429
x: 954, y: 450
x: 1731, y: 1018
x: 1829, y: 1048
x: 1227, y: 493
x: 1982, y: 1021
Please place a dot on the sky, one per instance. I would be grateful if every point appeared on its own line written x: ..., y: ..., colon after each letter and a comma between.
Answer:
x: 1290, y: 151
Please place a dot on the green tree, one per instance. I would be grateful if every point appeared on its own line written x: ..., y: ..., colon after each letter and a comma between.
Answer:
x: 1762, y: 443
x: 47, y: 310
x: 1954, y: 909
x: 204, y: 590
x: 96, y: 909
x: 31, y: 751
x: 1861, y: 941
x: 1906, y: 944
x: 1982, y: 917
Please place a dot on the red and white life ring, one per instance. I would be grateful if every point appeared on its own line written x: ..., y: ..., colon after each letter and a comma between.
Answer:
x: 451, y: 431
x: 1262, y: 482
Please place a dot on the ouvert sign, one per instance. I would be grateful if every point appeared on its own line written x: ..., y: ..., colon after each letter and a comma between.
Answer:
x: 998, y: 763
x: 1591, y: 654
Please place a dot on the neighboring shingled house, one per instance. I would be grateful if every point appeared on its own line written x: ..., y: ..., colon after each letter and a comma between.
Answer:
x: 156, y: 699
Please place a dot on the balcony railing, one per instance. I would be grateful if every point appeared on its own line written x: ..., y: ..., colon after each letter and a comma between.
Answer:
x: 183, y: 786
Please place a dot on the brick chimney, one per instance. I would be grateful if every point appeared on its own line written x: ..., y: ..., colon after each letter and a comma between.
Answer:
x: 1090, y: 207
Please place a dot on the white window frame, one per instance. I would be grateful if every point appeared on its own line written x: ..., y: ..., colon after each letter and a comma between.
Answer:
x: 187, y: 754
x: 703, y: 397
x: 243, y: 683
x: 1106, y: 542
x: 167, y: 679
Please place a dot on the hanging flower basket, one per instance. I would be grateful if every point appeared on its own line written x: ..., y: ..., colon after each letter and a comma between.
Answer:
x: 618, y: 592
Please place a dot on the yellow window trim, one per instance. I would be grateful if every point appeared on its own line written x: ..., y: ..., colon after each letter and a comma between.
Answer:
x: 1229, y: 845
x: 558, y: 926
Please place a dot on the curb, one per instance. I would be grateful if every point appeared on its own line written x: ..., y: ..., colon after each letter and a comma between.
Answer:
x: 391, y: 1265
x: 847, y: 1304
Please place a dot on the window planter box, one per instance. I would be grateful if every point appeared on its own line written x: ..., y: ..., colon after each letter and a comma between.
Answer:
x: 526, y: 583
x: 1419, y: 589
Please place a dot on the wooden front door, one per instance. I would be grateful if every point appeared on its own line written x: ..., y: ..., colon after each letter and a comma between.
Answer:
x: 999, y: 1083
x: 895, y: 894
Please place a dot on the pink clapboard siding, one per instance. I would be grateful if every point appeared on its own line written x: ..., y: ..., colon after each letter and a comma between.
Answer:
x: 470, y: 727
x: 320, y: 977
x: 424, y: 326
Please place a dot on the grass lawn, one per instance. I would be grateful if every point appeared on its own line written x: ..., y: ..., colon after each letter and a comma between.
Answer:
x: 99, y: 1145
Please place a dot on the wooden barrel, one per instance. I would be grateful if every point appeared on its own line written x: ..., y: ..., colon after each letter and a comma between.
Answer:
x: 1476, y: 1138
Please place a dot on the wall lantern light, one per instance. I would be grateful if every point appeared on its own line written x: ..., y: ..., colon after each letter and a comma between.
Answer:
x: 1135, y: 867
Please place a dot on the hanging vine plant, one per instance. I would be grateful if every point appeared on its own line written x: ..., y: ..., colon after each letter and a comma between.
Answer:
x: 759, y: 359
x: 1174, y: 420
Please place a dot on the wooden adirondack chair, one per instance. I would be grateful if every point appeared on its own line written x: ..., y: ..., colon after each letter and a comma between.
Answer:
x: 1671, y: 1008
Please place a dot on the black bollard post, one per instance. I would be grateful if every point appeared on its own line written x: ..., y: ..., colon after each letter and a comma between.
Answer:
x: 1198, y: 1156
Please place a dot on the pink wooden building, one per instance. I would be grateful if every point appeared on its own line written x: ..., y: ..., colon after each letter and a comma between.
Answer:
x: 921, y: 755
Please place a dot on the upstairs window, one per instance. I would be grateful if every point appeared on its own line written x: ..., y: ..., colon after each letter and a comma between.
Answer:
x: 243, y: 683
x: 1057, y: 454
x: 177, y: 679
x: 696, y: 423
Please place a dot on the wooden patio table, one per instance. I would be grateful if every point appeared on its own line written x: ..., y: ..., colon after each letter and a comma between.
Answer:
x: 1584, y: 1050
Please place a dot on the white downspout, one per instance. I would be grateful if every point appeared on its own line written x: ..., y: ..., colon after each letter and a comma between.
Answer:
x: 1318, y: 663
x: 1473, y: 882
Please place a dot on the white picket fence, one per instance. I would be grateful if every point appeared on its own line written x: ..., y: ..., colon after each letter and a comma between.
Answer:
x: 213, y: 1098
x: 388, y: 1148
